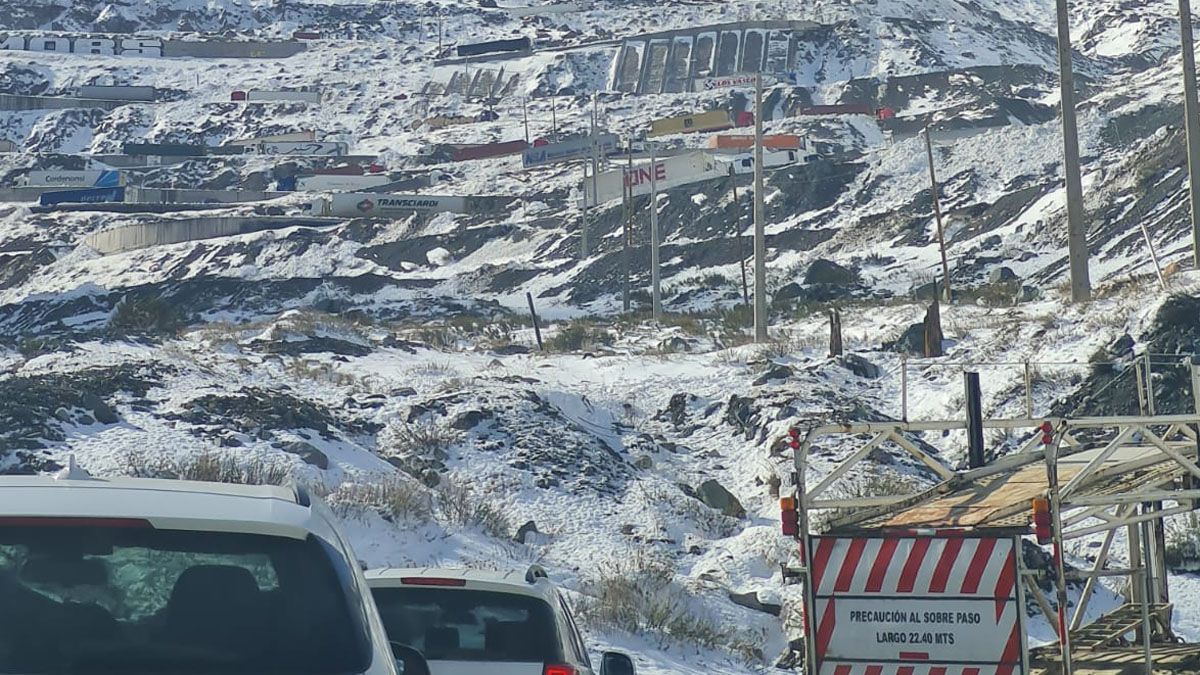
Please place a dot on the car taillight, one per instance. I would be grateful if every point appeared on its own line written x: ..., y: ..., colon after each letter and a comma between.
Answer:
x: 559, y: 669
x: 433, y: 581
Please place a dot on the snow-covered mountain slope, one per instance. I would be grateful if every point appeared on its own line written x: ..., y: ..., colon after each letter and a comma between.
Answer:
x: 397, y: 353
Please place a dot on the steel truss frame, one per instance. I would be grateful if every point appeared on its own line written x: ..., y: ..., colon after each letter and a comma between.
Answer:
x: 1121, y: 473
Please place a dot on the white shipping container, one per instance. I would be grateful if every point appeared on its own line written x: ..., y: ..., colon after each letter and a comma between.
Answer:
x: 340, y: 183
x: 83, y: 179
x: 370, y: 205
x: 667, y: 173
x: 262, y: 95
x: 117, y: 93
x: 7, y: 146
x: 305, y: 149
x: 727, y: 82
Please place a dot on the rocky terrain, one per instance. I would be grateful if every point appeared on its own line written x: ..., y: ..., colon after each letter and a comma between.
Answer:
x: 394, y: 366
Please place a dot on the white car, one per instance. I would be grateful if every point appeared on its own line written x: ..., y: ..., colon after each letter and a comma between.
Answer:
x: 144, y: 577
x: 471, y: 622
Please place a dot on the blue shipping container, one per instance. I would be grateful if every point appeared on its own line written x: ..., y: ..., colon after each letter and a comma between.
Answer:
x: 108, y: 179
x: 92, y: 196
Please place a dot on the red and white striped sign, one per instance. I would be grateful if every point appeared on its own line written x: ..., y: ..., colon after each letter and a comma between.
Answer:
x: 916, y: 606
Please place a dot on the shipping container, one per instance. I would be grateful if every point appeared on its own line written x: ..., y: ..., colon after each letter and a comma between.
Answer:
x: 305, y: 149
x: 667, y: 173
x: 371, y: 205
x: 714, y: 120
x: 341, y: 183
x: 88, y: 196
x: 463, y: 153
x: 839, y: 109
x: 566, y: 151
x: 237, y: 96
x: 266, y: 96
x: 7, y: 146
x: 727, y: 143
x: 117, y: 93
x: 745, y: 119
x: 225, y: 150
x: 306, y: 35
x: 164, y: 149
x: 82, y: 179
x: 727, y: 82
x: 515, y: 45
x: 294, y: 136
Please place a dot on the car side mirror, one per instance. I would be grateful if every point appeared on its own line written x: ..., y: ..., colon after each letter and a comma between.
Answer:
x: 408, y: 660
x: 617, y: 663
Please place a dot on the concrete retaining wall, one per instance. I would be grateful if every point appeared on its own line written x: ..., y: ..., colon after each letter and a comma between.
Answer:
x: 670, y: 61
x: 14, y: 102
x: 134, y: 237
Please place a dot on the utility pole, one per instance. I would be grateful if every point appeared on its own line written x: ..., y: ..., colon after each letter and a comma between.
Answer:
x: 760, y: 236
x: 1077, y: 248
x: 655, y: 280
x: 737, y: 235
x: 525, y: 114
x: 937, y: 212
x: 627, y: 191
x: 554, y: 116
x: 583, y: 225
x: 1191, y: 121
x: 595, y: 151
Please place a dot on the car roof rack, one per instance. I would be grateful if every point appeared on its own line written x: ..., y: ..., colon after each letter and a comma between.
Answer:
x: 535, y: 573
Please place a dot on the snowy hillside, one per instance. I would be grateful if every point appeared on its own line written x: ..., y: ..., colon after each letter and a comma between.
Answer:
x: 393, y: 366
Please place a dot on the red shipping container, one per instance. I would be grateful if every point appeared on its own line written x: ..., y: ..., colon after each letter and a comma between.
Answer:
x: 237, y: 96
x: 745, y: 119
x: 463, y: 153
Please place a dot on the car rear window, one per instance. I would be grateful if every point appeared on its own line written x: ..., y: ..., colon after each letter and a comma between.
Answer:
x: 467, y: 625
x: 134, y: 600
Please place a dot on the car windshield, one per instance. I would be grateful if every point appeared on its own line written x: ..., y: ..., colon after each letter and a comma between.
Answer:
x: 464, y: 625
x: 137, y: 600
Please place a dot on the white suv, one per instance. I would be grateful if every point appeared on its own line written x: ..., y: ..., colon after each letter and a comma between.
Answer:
x: 144, y: 577
x: 470, y: 622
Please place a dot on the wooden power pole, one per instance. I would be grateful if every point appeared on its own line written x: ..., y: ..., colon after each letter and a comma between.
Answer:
x: 1191, y: 121
x: 937, y: 212
x: 760, y: 237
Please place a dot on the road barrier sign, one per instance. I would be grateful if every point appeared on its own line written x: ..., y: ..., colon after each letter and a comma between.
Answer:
x: 939, y: 605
